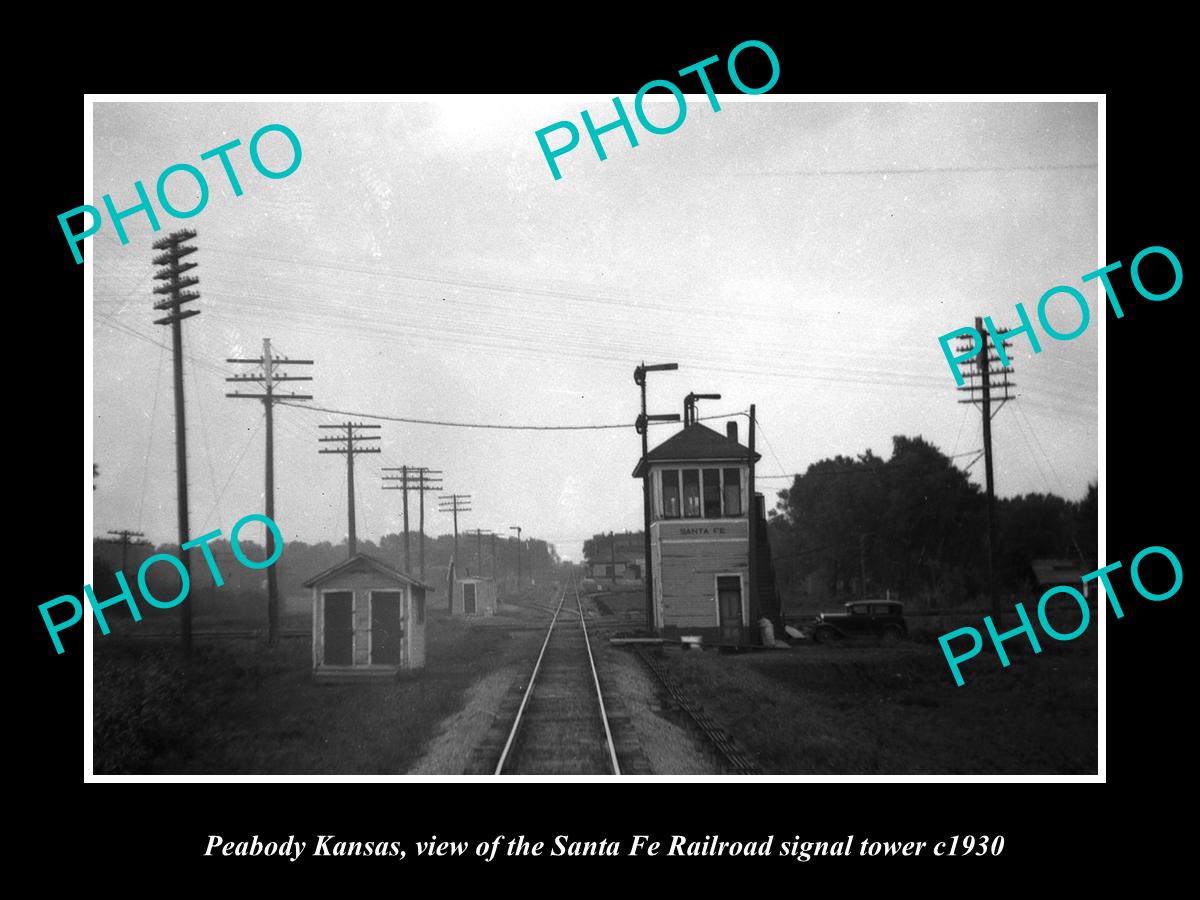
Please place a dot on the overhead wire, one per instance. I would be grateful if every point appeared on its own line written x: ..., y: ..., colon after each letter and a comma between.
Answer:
x: 1045, y: 455
x: 150, y: 439
x: 1029, y: 448
x: 233, y: 471
x: 521, y: 336
x: 778, y: 462
x: 859, y: 470
x: 196, y: 396
x: 493, y: 426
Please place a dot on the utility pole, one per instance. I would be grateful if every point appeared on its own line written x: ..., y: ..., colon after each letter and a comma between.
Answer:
x: 752, y: 524
x: 268, y: 377
x: 421, y: 480
x: 612, y: 554
x: 176, y: 294
x: 641, y: 426
x: 454, y: 503
x: 426, y: 480
x: 982, y: 393
x: 479, y: 533
x: 517, y: 529
x: 350, y: 450
x: 493, y: 534
x: 402, y: 486
x: 126, y: 539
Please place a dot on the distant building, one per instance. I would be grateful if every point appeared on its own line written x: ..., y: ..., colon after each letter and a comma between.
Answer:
x: 615, y: 557
x: 699, y: 538
x: 368, y: 621
x: 474, y: 597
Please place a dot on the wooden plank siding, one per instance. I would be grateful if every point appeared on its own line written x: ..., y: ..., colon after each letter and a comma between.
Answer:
x: 414, y: 632
x: 689, y: 554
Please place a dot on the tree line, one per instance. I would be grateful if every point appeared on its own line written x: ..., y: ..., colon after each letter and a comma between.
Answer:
x: 300, y: 561
x: 915, y: 525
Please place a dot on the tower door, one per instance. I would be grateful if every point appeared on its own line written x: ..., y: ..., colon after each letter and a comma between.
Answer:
x: 469, y: 599
x: 386, y: 630
x: 729, y: 602
x: 339, y: 628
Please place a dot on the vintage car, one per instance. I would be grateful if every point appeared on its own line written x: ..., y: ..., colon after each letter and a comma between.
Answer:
x: 862, y: 618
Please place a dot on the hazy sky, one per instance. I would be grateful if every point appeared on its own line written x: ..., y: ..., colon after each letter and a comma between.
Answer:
x: 800, y: 256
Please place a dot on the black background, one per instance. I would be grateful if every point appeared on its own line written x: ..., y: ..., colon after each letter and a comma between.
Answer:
x: 142, y: 829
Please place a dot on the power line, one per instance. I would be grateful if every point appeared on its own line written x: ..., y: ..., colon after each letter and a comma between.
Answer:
x: 196, y: 395
x: 778, y: 462
x: 233, y: 471
x: 962, y: 422
x: 1032, y: 456
x: 1038, y: 441
x: 124, y: 328
x: 384, y: 418
x: 862, y: 470
x: 150, y: 442
x: 923, y: 170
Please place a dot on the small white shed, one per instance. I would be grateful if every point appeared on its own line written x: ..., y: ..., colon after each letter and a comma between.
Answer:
x: 368, y: 621
x: 474, y: 596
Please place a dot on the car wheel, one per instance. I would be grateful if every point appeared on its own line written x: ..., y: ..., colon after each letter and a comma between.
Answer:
x: 891, y: 634
x: 826, y: 635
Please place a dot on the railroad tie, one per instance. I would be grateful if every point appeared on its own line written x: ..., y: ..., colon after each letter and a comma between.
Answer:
x: 728, y: 752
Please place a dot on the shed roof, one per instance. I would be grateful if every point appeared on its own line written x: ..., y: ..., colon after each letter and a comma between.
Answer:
x: 362, y: 560
x: 696, y: 443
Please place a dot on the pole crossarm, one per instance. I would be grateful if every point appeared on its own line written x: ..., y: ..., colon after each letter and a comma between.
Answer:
x: 269, y: 375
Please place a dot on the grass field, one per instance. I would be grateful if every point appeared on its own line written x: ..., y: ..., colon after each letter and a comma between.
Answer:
x: 863, y: 707
x: 242, y: 707
x: 868, y: 708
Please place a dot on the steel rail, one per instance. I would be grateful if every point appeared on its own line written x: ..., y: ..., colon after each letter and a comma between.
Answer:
x: 512, y: 734
x: 612, y: 750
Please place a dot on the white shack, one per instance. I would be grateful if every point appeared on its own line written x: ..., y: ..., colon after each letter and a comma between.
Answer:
x: 368, y: 621
x: 474, y: 596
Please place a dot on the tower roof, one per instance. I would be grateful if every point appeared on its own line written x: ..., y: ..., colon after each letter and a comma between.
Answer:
x: 696, y: 443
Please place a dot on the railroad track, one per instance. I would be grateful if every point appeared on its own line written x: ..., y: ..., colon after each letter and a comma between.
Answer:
x: 727, y: 751
x: 562, y: 726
